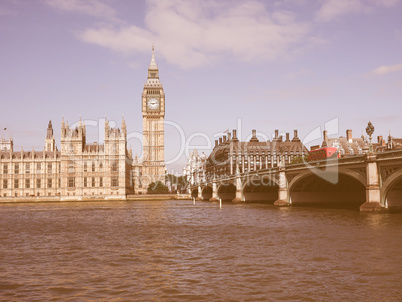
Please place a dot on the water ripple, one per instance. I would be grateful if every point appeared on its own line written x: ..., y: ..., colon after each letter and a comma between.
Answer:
x: 174, y: 251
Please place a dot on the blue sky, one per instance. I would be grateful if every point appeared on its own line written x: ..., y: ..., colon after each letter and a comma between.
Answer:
x: 271, y: 64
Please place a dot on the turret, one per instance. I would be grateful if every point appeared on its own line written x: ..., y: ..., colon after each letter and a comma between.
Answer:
x: 63, y: 128
x: 107, y: 128
x: 124, y: 127
x: 50, y: 141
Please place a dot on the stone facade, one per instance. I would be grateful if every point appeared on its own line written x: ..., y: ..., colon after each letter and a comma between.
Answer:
x: 81, y: 171
x: 152, y: 168
x: 78, y: 171
x: 195, y: 169
x: 230, y: 156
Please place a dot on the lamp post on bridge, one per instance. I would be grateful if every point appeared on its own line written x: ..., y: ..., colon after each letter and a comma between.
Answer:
x: 370, y: 131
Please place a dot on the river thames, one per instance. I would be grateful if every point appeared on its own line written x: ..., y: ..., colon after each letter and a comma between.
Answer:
x: 177, y: 251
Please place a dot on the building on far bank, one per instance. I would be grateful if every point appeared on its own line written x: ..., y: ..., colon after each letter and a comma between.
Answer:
x: 77, y: 171
x: 195, y: 169
x: 392, y: 144
x: 152, y: 167
x: 231, y: 155
x: 80, y: 171
x: 349, y: 145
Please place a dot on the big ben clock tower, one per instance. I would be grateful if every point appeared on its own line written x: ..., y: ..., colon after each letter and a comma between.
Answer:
x: 153, y: 114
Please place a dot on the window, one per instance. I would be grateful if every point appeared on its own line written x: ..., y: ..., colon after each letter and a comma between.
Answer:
x: 100, y: 166
x: 5, y: 184
x: 49, y: 167
x: 85, y: 167
x: 5, y: 169
x: 38, y: 167
x: 115, y: 181
x: 115, y: 166
x: 93, y: 181
x: 16, y: 169
x: 59, y: 182
x: 85, y: 182
x: 93, y: 166
x: 71, y: 182
x: 71, y: 166
x: 27, y: 168
x: 38, y: 183
x: 27, y: 183
x: 100, y: 181
x: 16, y: 183
x: 49, y: 182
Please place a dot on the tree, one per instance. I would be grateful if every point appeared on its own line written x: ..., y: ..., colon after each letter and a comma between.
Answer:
x: 157, y: 188
x: 180, y: 182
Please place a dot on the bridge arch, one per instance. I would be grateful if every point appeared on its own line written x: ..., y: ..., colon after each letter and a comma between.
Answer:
x: 358, y: 176
x: 206, y: 193
x: 392, y: 192
x: 227, y: 191
x: 261, y: 189
x: 347, y: 190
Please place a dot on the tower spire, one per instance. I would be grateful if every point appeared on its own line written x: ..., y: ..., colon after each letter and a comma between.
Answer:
x: 152, y: 65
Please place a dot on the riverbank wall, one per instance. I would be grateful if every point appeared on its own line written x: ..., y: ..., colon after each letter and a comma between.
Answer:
x: 133, y: 197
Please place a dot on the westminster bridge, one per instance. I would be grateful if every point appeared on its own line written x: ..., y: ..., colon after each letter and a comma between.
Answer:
x: 371, y: 182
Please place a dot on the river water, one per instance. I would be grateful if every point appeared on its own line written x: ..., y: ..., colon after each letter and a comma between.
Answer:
x: 177, y: 251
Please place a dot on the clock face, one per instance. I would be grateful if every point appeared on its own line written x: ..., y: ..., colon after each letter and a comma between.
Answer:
x: 153, y: 103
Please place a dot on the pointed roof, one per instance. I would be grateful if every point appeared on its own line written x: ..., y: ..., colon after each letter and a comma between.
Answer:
x: 152, y: 65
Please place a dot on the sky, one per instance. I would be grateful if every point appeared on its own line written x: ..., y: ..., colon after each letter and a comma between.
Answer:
x: 308, y: 65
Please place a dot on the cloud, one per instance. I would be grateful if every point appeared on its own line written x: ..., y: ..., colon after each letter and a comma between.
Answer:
x: 95, y: 8
x: 332, y: 9
x: 382, y: 70
x: 196, y: 33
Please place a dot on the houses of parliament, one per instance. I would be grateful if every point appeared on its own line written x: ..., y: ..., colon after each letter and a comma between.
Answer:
x: 81, y: 171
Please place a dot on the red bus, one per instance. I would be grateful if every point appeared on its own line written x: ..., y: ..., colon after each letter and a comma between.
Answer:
x: 323, y: 153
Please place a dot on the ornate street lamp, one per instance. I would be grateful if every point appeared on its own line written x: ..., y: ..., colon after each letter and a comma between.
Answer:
x: 370, y: 131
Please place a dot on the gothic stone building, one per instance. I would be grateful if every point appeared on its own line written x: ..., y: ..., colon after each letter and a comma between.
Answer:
x: 77, y: 171
x: 194, y: 170
x: 80, y: 171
